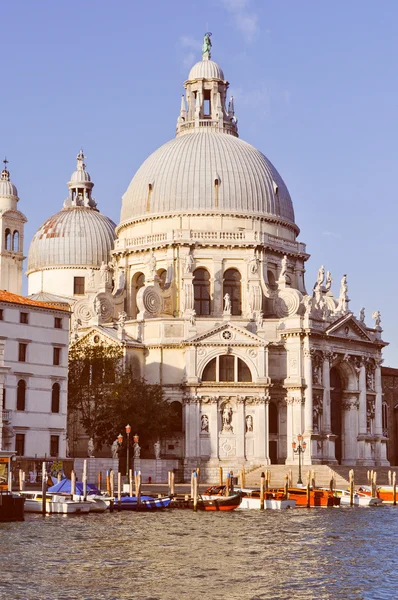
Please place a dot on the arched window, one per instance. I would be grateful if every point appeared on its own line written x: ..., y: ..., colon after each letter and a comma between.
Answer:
x: 232, y: 286
x: 273, y: 418
x: 384, y: 416
x: 21, y: 394
x: 201, y: 291
x: 15, y: 241
x: 137, y: 282
x: 7, y: 239
x: 55, y: 395
x: 227, y: 367
x: 162, y: 274
x: 176, y: 411
x: 271, y: 280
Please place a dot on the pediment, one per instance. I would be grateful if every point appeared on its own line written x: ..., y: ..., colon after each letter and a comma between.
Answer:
x: 13, y: 214
x: 226, y: 334
x: 349, y: 327
x: 97, y: 334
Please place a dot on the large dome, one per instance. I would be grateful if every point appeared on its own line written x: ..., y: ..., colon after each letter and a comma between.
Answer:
x: 181, y: 178
x: 76, y: 236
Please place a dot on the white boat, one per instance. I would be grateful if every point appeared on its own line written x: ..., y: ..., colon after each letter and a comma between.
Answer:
x: 97, y: 504
x: 251, y: 500
x: 55, y: 504
x: 359, y: 498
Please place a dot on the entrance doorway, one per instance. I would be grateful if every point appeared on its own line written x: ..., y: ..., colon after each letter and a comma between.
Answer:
x: 273, y: 452
x: 336, y: 389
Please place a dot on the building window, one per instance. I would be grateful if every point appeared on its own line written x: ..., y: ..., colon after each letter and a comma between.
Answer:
x: 15, y: 241
x: 57, y: 323
x: 21, y: 394
x: 201, y: 291
x: 20, y: 444
x: 22, y: 349
x: 232, y: 286
x: 78, y: 286
x: 227, y: 367
x: 24, y: 317
x: 54, y: 445
x: 4, y: 398
x: 1, y: 314
x: 56, y: 356
x: 273, y: 418
x: 55, y: 394
x: 7, y: 239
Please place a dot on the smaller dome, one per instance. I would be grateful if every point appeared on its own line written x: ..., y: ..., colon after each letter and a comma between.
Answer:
x: 7, y: 188
x: 206, y: 69
x: 80, y: 176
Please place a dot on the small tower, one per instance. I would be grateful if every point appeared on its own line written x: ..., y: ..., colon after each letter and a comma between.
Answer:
x: 12, y: 223
x: 80, y: 186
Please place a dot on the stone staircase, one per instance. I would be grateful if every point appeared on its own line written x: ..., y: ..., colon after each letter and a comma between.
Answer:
x: 322, y: 475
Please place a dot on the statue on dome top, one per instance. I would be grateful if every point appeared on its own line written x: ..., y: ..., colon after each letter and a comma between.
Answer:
x: 80, y: 160
x: 206, y: 48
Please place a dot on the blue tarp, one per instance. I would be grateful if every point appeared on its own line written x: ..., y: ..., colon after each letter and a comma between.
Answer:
x: 64, y: 487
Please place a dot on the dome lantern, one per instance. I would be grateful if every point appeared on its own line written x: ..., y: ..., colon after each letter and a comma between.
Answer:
x: 206, y: 94
x: 80, y: 186
x: 7, y: 189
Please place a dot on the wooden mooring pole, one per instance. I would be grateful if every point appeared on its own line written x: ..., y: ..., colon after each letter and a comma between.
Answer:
x: 262, y: 491
x: 84, y: 480
x: 195, y: 491
x: 374, y: 479
x: 220, y: 477
x: 172, y: 484
x: 43, y: 488
x: 308, y: 489
x: 331, y: 481
x: 351, y: 480
x: 100, y: 481
x: 119, y: 489
x: 73, y: 482
x: 286, y: 490
x: 394, y: 488
x: 112, y: 482
x: 131, y: 482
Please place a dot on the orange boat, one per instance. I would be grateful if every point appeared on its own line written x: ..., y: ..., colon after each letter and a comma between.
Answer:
x: 324, y: 498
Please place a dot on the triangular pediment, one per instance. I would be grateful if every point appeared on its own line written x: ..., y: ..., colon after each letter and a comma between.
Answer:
x: 97, y: 334
x: 226, y: 334
x: 349, y: 327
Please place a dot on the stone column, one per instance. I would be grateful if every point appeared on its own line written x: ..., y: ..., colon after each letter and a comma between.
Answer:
x: 349, y: 433
x: 326, y: 424
x: 213, y: 426
x: 294, y: 423
x: 217, y: 281
x: 308, y: 412
x: 379, y: 396
x: 261, y: 430
x: 362, y: 398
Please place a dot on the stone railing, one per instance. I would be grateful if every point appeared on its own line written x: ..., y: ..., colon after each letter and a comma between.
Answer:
x: 229, y: 128
x: 5, y: 416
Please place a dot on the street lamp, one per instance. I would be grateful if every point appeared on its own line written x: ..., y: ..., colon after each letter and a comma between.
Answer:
x: 128, y: 430
x: 299, y: 449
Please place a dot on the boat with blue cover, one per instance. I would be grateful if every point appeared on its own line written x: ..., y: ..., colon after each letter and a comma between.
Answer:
x: 145, y: 503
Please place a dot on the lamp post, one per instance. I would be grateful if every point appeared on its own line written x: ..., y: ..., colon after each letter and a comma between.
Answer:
x: 299, y: 448
x: 128, y: 430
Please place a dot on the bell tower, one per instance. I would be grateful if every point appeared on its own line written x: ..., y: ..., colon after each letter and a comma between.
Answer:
x: 12, y: 223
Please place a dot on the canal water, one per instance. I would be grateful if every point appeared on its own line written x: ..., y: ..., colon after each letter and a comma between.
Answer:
x: 348, y: 553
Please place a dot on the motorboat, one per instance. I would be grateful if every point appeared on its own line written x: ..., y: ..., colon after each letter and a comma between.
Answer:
x: 359, y: 498
x: 317, y: 497
x: 384, y: 492
x: 99, y: 502
x: 55, y: 504
x: 144, y: 503
x: 250, y: 498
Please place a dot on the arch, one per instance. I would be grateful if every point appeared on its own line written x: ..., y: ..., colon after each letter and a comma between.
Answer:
x: 55, y: 398
x: 137, y: 282
x: 271, y: 280
x: 227, y: 367
x: 336, y: 390
x: 232, y: 286
x: 15, y: 241
x: 21, y: 394
x: 176, y: 416
x: 201, y: 291
x: 7, y: 239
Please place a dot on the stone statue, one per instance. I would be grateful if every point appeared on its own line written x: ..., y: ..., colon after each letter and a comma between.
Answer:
x: 329, y: 281
x: 156, y: 447
x: 377, y: 317
x: 137, y: 450
x: 152, y: 264
x: 121, y: 280
x: 115, y: 449
x: 121, y: 322
x: 206, y: 48
x: 104, y: 272
x: 90, y: 448
x: 253, y: 265
x: 227, y: 418
x: 67, y: 449
x: 283, y: 267
x: 320, y: 278
x: 227, y: 303
x: 308, y: 305
x: 249, y: 423
x: 260, y: 319
x: 192, y: 318
x: 362, y: 315
x: 97, y: 306
x: 75, y: 329
x: 189, y: 262
x: 343, y: 298
x: 90, y: 278
x: 204, y: 423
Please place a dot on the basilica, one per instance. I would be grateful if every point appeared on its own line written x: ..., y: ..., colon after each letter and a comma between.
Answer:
x: 202, y: 284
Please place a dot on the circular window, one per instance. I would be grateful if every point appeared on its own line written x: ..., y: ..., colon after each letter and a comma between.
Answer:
x: 96, y: 339
x: 227, y: 335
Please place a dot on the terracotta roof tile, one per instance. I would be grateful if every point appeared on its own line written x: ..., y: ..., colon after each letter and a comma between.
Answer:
x: 16, y: 299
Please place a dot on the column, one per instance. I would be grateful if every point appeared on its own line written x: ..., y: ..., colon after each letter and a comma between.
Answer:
x: 240, y: 428
x: 308, y: 412
x: 378, y: 407
x: 217, y: 280
x: 213, y: 426
x: 326, y: 425
x: 362, y: 398
x: 349, y: 433
x: 261, y: 431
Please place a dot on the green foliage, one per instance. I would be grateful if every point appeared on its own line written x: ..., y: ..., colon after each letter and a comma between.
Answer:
x: 106, y: 396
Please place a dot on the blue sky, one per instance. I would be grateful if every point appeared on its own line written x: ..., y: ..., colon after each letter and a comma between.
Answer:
x: 315, y: 86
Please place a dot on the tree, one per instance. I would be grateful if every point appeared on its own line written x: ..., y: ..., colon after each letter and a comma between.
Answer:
x: 105, y: 396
